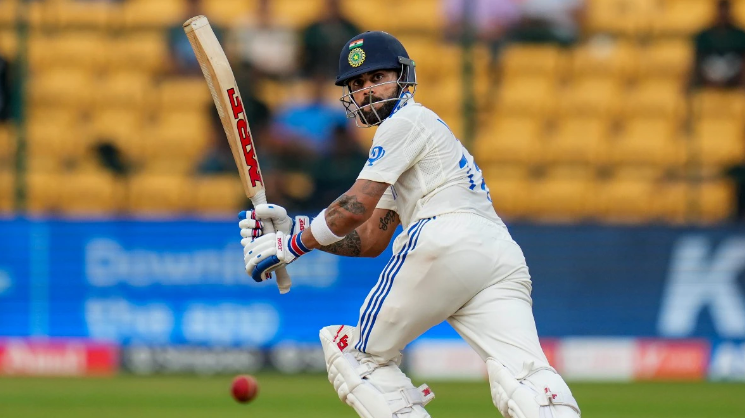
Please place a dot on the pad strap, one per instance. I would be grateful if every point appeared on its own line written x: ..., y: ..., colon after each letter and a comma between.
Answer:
x: 406, y: 398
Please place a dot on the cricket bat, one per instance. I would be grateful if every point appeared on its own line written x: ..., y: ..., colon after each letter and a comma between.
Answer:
x: 229, y: 103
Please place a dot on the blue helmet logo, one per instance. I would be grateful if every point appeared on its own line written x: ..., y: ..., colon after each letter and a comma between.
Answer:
x: 375, y: 154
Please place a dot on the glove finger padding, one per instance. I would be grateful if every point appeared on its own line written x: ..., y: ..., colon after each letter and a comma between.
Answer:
x: 251, y: 228
x: 261, y: 249
x: 275, y: 214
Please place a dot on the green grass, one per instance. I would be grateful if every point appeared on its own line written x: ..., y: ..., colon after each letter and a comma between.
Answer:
x: 313, y: 397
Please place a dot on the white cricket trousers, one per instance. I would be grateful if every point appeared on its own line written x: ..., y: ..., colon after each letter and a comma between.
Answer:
x: 459, y: 267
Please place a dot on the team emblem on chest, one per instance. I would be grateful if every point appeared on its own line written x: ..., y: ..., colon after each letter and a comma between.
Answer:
x: 356, y: 57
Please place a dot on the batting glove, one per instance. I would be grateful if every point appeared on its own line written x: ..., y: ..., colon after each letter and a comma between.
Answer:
x: 252, y: 222
x: 270, y: 252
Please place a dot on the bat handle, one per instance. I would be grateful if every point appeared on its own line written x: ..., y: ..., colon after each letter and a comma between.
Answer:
x: 284, y: 282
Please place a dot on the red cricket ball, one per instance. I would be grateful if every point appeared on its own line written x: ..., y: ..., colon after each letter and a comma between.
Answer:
x: 244, y: 388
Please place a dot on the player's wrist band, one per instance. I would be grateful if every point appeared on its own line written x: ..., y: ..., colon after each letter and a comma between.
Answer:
x: 296, y: 246
x: 321, y: 231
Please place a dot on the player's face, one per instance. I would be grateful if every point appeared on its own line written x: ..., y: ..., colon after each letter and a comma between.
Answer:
x: 368, y: 92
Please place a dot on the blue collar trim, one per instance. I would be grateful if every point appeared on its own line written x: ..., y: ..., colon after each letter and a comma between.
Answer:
x: 404, y: 99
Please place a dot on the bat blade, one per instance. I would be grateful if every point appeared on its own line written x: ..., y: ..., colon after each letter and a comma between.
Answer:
x: 227, y: 97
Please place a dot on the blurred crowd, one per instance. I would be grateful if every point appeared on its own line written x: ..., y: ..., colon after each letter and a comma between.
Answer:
x: 310, y: 152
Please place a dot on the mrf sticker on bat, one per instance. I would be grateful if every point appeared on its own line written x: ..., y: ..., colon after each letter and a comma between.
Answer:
x: 249, y: 154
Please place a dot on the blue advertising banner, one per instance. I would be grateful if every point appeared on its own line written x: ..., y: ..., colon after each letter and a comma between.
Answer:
x: 182, y: 282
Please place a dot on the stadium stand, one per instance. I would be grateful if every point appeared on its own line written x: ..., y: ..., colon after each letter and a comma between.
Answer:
x: 563, y: 133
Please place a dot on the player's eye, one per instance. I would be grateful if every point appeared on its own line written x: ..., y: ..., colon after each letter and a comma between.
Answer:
x: 378, y: 76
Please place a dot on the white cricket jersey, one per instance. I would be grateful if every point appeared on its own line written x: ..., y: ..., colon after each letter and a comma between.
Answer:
x: 430, y: 171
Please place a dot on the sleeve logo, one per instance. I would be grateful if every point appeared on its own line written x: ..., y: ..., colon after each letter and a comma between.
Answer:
x: 376, y: 153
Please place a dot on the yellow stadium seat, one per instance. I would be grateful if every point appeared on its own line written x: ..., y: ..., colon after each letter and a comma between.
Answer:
x: 625, y: 17
x: 509, y: 196
x: 55, y: 136
x: 297, y: 13
x: 416, y: 15
x: 716, y: 200
x: 430, y: 54
x: 39, y: 44
x: 509, y: 140
x: 123, y: 128
x: 648, y: 173
x: 218, y: 195
x: 8, y: 43
x: 504, y: 171
x: 683, y: 17
x: 226, y: 12
x: 627, y: 200
x: 61, y: 88
x: 674, y: 201
x: 605, y: 58
x: 667, y: 58
x: 352, y: 10
x: 158, y: 195
x: 715, y: 103
x: 7, y: 144
x: 578, y: 140
x: 91, y: 14
x: 527, y: 96
x: 125, y: 89
x: 177, y: 141
x: 43, y: 192
x: 532, y: 59
x: 86, y: 49
x: 718, y: 142
x: 591, y: 97
x: 738, y: 10
x: 561, y: 199
x: 441, y: 96
x: 8, y: 12
x: 7, y: 191
x: 187, y: 93
x: 40, y: 16
x: 655, y: 98
x: 648, y: 141
x: 89, y: 194
x: 138, y: 50
x: 153, y: 14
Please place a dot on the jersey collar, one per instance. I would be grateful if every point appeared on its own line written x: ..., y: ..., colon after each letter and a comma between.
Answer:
x: 405, y: 99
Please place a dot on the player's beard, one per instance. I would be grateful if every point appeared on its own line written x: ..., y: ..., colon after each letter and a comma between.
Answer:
x: 373, y: 117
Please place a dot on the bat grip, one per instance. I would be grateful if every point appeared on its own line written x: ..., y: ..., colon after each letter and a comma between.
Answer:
x: 284, y: 282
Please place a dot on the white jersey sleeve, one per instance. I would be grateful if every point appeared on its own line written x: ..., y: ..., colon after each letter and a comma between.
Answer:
x: 429, y: 170
x: 397, y: 146
x: 387, y: 201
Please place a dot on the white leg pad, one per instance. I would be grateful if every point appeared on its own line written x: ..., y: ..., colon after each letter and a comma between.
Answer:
x: 373, y: 390
x: 536, y: 392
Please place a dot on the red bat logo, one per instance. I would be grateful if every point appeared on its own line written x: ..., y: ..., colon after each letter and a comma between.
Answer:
x: 246, y: 141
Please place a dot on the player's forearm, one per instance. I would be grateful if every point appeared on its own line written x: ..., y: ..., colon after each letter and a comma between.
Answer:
x: 342, y: 217
x: 368, y: 240
x: 346, y: 214
x: 350, y: 246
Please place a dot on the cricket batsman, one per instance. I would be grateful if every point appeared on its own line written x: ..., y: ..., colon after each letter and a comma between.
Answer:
x: 455, y: 259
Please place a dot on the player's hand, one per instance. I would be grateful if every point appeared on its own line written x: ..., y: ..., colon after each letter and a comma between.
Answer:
x: 270, y: 252
x: 252, y: 222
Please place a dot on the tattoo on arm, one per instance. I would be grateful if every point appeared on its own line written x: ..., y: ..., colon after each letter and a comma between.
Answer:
x: 351, y: 204
x: 348, y: 203
x: 389, y: 218
x: 350, y: 246
x: 373, y: 189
